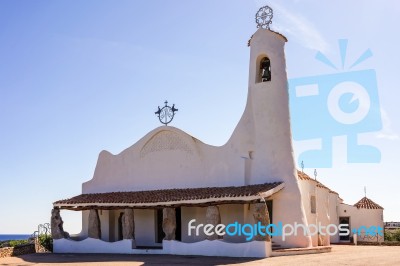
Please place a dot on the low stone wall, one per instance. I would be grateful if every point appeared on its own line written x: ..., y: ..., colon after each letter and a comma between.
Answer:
x: 17, y: 251
x: 385, y: 243
x: 6, y: 252
x: 39, y: 248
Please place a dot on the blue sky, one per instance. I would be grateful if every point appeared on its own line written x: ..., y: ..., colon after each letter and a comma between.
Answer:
x: 78, y: 77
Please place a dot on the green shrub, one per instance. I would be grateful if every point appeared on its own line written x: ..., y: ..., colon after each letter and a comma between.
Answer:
x: 388, y: 236
x: 16, y: 243
x: 396, y: 235
x: 46, y: 241
x: 392, y: 235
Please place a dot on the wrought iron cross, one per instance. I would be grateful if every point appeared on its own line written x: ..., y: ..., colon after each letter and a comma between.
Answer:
x: 166, y: 114
x: 264, y: 17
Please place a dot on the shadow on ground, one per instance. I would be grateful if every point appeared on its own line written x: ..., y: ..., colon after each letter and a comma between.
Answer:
x: 132, y: 259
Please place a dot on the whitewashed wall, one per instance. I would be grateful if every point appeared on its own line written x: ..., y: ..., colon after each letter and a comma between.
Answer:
x: 323, y: 215
x: 334, y: 214
x: 253, y: 249
x: 259, y: 151
x: 145, y: 228
x: 362, y: 217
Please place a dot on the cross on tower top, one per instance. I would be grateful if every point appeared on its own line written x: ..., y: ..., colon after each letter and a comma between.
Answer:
x: 264, y: 17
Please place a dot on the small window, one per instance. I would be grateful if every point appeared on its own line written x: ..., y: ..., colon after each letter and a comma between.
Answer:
x: 265, y: 69
x: 313, y: 204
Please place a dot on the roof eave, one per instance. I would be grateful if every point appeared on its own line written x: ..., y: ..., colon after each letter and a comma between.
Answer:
x: 196, y: 202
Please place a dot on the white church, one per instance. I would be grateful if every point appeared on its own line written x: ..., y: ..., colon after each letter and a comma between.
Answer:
x: 142, y: 200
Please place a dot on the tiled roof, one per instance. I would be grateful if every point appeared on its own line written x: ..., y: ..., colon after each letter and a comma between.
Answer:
x: 168, y: 195
x: 304, y: 176
x: 366, y: 203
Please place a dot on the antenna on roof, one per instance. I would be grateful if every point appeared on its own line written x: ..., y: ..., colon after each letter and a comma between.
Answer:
x: 365, y: 191
x: 315, y: 174
x: 302, y: 167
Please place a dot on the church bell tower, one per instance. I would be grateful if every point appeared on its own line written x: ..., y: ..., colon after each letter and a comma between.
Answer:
x: 264, y: 129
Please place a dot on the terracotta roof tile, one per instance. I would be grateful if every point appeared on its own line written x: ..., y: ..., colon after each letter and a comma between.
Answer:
x: 304, y: 176
x: 168, y: 195
x: 366, y: 203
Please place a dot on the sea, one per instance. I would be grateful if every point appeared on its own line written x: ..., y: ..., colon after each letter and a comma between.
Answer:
x: 14, y: 237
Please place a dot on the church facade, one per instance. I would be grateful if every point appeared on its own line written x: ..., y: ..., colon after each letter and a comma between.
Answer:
x: 152, y: 197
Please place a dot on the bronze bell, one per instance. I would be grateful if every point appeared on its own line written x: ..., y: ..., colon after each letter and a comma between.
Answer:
x: 266, y: 70
x: 266, y: 75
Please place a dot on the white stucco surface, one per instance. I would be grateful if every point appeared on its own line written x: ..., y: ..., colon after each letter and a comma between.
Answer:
x: 334, y: 214
x: 258, y: 249
x: 323, y: 215
x: 259, y: 150
x: 145, y: 227
x: 166, y: 158
x: 327, y: 205
x: 264, y: 130
x: 308, y: 189
x: 330, y: 208
x: 90, y: 245
x: 362, y: 217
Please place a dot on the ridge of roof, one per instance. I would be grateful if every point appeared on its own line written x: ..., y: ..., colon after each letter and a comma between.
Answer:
x: 304, y: 176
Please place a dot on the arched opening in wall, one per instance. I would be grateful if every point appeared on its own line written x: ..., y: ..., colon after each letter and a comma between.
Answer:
x: 73, y: 223
x: 263, y: 70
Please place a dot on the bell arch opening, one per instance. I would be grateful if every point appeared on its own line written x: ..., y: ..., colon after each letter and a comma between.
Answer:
x: 263, y: 69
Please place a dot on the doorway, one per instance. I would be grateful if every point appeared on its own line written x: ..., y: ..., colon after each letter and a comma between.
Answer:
x: 120, y: 234
x: 345, y: 222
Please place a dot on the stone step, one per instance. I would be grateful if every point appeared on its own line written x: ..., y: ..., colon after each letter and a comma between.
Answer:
x: 300, y: 251
x: 275, y: 246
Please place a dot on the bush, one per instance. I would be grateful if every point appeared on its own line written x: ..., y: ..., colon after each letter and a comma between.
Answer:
x: 388, y: 236
x: 46, y: 241
x: 16, y: 243
x: 392, y: 235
